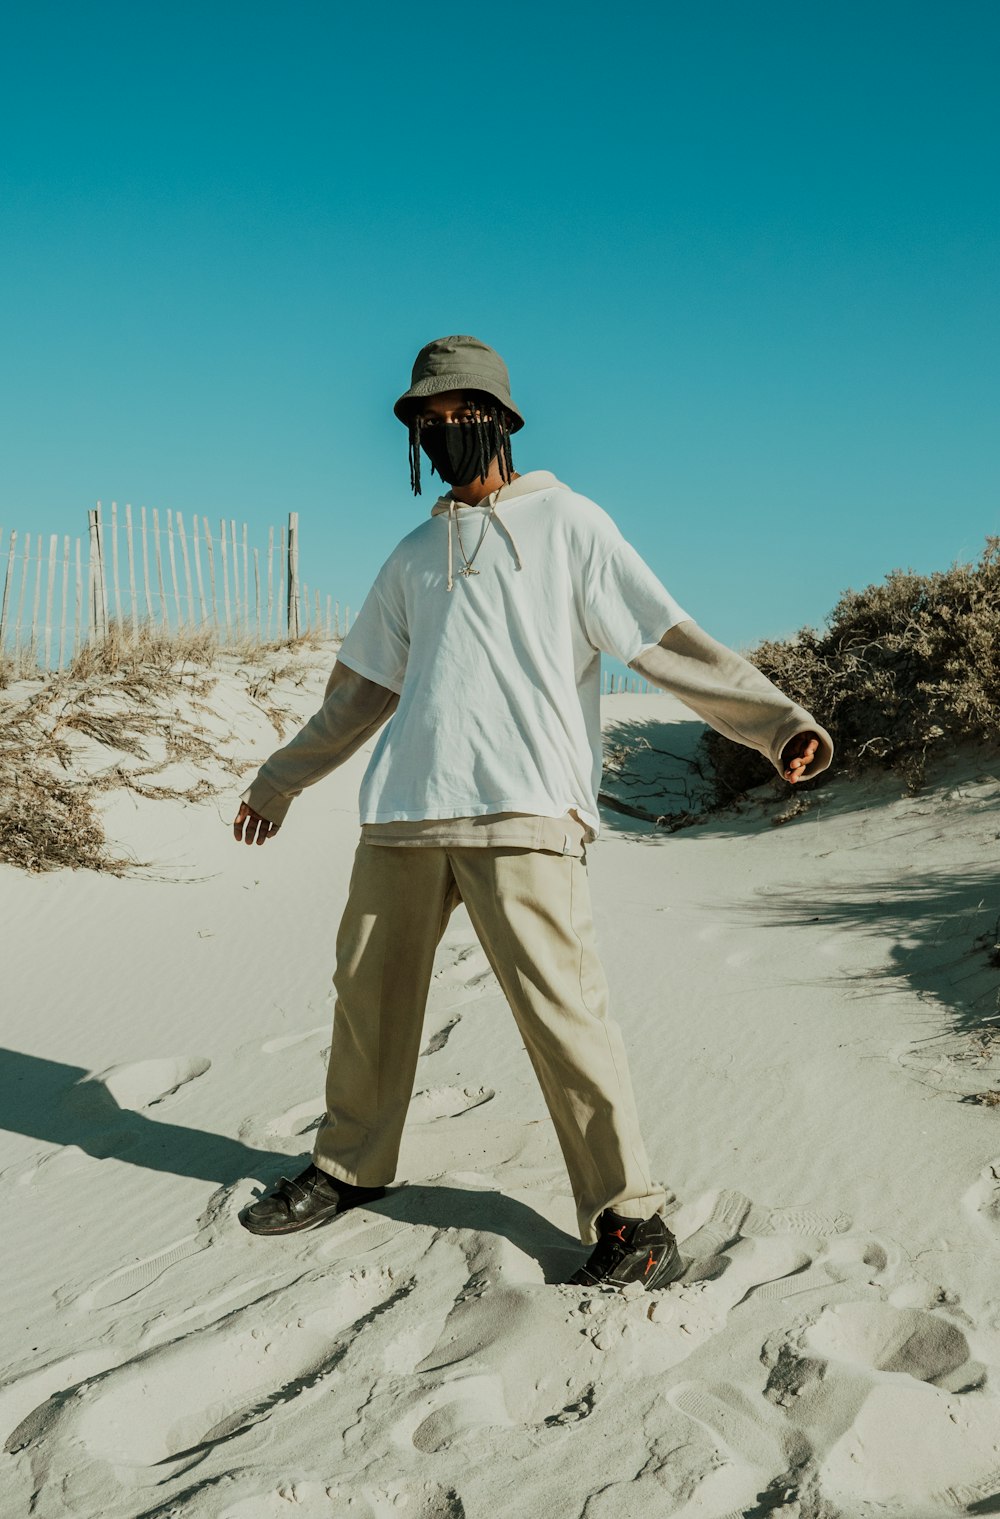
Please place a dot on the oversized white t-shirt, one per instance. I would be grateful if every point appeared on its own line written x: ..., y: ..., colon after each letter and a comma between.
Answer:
x: 499, y: 678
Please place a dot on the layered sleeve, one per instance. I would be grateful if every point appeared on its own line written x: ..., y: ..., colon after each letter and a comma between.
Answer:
x: 730, y: 694
x: 354, y: 708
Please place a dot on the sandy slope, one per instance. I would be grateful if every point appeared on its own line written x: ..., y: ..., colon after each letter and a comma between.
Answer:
x: 801, y: 1004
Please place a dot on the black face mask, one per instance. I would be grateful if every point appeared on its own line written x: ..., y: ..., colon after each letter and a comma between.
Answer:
x: 453, y: 449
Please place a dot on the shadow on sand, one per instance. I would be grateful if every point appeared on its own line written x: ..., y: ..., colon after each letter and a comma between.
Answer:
x: 63, y: 1105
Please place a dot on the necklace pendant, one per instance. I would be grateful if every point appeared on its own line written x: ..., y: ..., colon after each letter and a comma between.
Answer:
x: 468, y: 570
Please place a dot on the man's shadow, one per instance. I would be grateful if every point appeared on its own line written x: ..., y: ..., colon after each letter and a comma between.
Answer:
x: 64, y: 1105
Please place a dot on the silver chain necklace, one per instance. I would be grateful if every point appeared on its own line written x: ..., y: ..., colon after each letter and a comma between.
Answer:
x: 468, y: 570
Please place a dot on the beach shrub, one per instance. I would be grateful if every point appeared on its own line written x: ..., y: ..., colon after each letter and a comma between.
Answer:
x: 140, y: 705
x: 904, y: 670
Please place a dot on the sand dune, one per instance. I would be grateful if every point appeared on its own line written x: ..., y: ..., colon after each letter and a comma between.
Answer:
x: 808, y: 1010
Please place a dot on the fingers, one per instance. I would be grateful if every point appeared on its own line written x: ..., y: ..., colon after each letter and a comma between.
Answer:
x: 250, y: 828
x: 799, y: 763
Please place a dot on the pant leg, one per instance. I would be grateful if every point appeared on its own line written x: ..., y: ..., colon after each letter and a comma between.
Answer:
x: 398, y: 906
x: 532, y: 913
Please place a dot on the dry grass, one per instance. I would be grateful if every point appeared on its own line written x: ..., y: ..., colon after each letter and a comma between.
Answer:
x: 129, y: 698
x: 904, y: 670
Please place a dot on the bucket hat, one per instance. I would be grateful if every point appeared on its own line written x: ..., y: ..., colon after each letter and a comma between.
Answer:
x: 458, y: 363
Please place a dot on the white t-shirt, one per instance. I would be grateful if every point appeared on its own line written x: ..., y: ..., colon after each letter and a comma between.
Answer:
x: 499, y: 678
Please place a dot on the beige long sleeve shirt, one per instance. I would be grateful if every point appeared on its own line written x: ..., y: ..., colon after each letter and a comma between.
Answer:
x: 720, y: 686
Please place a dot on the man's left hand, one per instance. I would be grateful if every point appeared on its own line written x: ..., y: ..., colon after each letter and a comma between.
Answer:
x: 798, y: 754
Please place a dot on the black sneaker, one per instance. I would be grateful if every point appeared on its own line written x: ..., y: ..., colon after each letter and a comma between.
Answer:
x: 631, y: 1250
x: 306, y: 1200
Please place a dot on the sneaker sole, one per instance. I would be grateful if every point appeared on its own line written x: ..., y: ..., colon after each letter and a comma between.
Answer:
x: 296, y: 1228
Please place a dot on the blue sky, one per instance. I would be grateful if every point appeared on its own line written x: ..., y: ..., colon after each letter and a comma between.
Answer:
x: 741, y: 259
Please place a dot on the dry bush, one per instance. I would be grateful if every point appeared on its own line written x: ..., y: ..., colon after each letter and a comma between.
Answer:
x: 904, y: 670
x: 155, y: 648
x: 123, y: 694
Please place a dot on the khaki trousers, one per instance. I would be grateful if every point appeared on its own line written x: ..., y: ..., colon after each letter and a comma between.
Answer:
x: 532, y: 914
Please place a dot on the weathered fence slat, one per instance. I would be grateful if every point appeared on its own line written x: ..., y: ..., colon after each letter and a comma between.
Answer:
x: 131, y: 570
x: 93, y: 550
x: 164, y: 616
x: 145, y: 565
x: 246, y: 583
x: 6, y: 587
x: 197, y: 571
x: 282, y: 595
x: 236, y: 577
x: 49, y: 591
x: 65, y: 597
x: 270, y: 577
x: 190, y: 619
x: 79, y: 601
x: 114, y: 562
x: 173, y: 568
x: 225, y: 579
x: 210, y: 552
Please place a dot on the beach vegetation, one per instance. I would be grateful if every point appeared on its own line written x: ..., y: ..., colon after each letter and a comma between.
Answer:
x: 117, y: 717
x: 904, y: 671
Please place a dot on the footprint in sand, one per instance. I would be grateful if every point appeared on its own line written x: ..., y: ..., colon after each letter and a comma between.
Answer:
x: 456, y: 1410
x: 138, y: 1275
x: 751, y: 1267
x: 137, y: 1086
x: 440, y: 1037
x: 447, y: 1102
x: 295, y: 1121
x: 178, y: 1400
x: 260, y: 1497
x: 734, y: 1215
x: 982, y: 1200
x: 741, y: 1426
x: 356, y: 1235
x: 847, y: 1268
x: 571, y: 1413
x: 288, y: 1041
x: 465, y: 965
x: 918, y: 1449
x: 806, y: 1221
x: 882, y: 1338
x: 680, y: 1481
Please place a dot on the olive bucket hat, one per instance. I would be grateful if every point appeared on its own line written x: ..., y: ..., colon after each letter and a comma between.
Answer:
x: 458, y: 363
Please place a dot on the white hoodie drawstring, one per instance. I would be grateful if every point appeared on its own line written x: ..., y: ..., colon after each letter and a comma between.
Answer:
x: 451, y: 518
x: 494, y: 514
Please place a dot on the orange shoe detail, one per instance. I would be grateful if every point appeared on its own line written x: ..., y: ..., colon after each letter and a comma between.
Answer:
x: 649, y: 1264
x: 619, y: 1233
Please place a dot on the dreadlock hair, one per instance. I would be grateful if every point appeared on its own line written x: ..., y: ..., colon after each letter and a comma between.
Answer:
x: 492, y: 422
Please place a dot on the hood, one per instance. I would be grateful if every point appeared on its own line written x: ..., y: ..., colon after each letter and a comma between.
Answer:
x: 524, y: 485
x: 534, y: 480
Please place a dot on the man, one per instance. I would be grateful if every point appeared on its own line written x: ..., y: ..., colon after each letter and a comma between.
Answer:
x: 481, y: 639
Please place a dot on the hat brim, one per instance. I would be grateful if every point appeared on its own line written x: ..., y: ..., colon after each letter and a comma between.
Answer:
x: 436, y: 385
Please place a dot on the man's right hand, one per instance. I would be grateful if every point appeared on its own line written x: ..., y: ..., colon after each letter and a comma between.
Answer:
x: 258, y: 829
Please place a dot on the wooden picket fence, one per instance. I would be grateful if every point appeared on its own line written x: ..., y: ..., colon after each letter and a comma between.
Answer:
x: 633, y: 685
x: 142, y: 573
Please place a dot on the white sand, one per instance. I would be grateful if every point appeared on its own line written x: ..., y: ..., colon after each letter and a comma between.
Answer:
x: 799, y: 1003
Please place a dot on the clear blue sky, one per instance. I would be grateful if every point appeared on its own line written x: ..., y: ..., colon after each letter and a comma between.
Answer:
x: 741, y: 259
